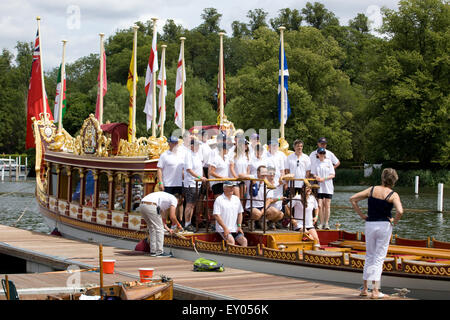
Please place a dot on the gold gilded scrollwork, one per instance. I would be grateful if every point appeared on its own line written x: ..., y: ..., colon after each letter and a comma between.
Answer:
x: 151, y: 147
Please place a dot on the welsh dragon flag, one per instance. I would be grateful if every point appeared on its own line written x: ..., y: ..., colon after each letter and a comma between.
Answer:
x: 58, y: 97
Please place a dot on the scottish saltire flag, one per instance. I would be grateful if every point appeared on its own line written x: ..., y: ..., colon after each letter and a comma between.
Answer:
x: 287, y: 108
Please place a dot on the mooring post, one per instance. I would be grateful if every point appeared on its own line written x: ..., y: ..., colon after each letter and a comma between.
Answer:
x: 3, y: 172
x: 17, y: 169
x: 10, y: 169
x: 416, y: 185
x: 26, y: 168
x: 440, y: 204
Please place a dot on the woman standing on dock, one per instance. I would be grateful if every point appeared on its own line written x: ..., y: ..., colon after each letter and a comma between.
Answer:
x: 378, y: 228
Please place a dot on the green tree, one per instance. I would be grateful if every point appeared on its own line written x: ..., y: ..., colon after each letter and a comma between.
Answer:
x: 291, y: 19
x: 211, y: 21
x: 317, y: 16
x: 257, y: 19
x: 409, y: 88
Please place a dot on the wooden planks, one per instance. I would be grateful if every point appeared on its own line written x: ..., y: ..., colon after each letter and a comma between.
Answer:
x: 233, y: 283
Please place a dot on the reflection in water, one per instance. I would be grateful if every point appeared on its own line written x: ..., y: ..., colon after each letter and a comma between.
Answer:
x: 15, y: 197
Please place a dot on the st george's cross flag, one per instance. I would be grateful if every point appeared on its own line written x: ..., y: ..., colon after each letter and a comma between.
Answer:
x: 179, y: 92
x: 151, y: 67
x: 35, y: 99
x: 162, y: 85
x: 58, y: 96
x: 286, y: 106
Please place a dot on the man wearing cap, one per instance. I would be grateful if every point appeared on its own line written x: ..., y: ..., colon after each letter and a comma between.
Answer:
x: 322, y: 143
x: 155, y: 208
x: 298, y: 164
x: 193, y: 170
x: 170, y: 173
x: 228, y: 212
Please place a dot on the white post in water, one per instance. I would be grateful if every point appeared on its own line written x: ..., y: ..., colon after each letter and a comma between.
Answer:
x: 440, y: 204
x: 3, y: 172
x: 10, y: 169
x: 416, y: 185
x: 17, y: 169
x: 26, y: 167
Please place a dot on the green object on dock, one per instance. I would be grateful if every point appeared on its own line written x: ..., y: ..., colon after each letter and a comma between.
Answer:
x: 202, y: 264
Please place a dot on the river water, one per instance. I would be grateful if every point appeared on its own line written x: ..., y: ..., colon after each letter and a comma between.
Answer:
x: 17, y: 198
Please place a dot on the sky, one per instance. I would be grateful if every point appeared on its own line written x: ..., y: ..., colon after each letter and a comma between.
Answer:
x: 80, y: 21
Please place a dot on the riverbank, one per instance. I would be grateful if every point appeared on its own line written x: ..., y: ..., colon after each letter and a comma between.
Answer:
x: 406, y: 178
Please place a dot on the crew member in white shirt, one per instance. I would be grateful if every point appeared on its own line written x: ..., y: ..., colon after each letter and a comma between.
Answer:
x: 298, y: 164
x: 323, y: 172
x: 276, y: 198
x: 155, y: 208
x: 193, y: 170
x: 311, y: 215
x: 257, y: 160
x: 219, y: 166
x: 276, y: 159
x: 322, y: 143
x: 228, y: 212
x: 239, y: 165
x: 170, y: 173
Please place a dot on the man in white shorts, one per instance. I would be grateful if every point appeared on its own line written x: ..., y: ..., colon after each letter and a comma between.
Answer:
x: 228, y: 212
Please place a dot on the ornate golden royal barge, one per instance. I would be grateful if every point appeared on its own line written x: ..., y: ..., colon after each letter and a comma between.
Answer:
x: 89, y: 188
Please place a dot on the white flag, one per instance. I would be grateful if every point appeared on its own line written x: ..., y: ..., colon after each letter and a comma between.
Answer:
x: 151, y: 67
x: 179, y: 92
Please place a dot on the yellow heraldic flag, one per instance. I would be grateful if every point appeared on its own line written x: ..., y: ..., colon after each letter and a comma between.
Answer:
x: 132, y: 94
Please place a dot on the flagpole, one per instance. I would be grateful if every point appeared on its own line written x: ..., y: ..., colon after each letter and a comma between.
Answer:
x: 135, y: 28
x: 183, y: 124
x: 61, y: 90
x: 102, y: 65
x: 221, y: 34
x: 44, y: 106
x: 162, y: 114
x: 155, y: 34
x: 282, y: 81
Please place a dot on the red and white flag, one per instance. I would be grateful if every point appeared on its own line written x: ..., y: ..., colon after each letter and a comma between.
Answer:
x: 105, y: 87
x: 162, y: 94
x: 151, y: 67
x: 35, y: 99
x: 179, y: 92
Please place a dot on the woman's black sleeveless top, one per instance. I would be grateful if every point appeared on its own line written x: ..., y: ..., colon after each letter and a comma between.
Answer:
x: 379, y: 210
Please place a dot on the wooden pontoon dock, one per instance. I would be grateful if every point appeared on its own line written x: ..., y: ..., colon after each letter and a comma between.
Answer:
x: 58, y: 253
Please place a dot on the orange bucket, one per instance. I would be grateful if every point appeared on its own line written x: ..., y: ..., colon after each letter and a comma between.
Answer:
x: 108, y: 266
x: 146, y: 274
